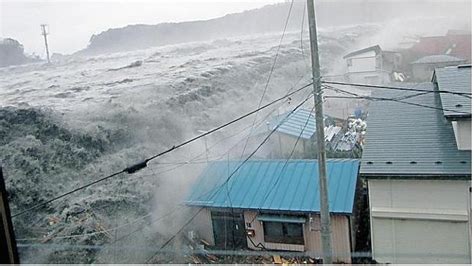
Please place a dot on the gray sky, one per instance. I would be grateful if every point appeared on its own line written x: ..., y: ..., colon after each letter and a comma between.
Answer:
x: 72, y: 22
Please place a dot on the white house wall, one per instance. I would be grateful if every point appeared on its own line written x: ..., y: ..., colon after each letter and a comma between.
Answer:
x: 283, y: 144
x: 419, y: 221
x: 202, y: 224
x: 462, y: 131
x: 362, y: 62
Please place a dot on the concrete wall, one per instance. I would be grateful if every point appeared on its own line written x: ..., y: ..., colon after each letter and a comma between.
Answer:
x: 283, y: 145
x: 202, y: 224
x: 362, y: 62
x: 371, y: 77
x: 340, y: 237
x: 419, y: 221
x: 424, y: 72
x: 462, y: 132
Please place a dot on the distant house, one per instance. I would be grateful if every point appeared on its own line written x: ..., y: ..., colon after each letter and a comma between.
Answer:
x: 423, y: 68
x: 371, y: 65
x: 274, y: 205
x: 417, y: 164
x: 454, y: 43
x: 301, y: 126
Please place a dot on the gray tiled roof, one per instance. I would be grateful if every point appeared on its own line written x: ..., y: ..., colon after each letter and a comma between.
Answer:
x: 411, y: 141
x: 375, y: 48
x: 442, y: 58
x: 456, y: 79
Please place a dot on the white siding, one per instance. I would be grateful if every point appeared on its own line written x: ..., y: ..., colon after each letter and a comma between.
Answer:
x: 419, y: 221
x: 373, y: 77
x: 283, y: 145
x: 202, y: 224
x: 462, y: 132
x: 362, y: 62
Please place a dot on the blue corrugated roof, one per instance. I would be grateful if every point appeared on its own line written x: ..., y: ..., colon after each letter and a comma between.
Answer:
x: 296, y: 122
x: 266, y: 185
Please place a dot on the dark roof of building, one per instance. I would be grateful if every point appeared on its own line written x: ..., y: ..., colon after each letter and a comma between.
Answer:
x: 269, y: 185
x: 442, y: 58
x: 375, y: 48
x: 408, y: 141
x: 455, y: 79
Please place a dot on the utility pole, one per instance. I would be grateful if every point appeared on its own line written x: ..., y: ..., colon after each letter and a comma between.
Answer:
x: 44, y: 33
x: 8, y: 251
x: 318, y: 102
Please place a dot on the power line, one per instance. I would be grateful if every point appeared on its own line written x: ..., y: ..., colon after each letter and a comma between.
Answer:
x: 271, y: 72
x: 267, y: 194
x: 178, y: 167
x: 370, y: 98
x: 135, y: 168
x: 220, y: 252
x: 174, y: 236
x: 465, y: 94
x: 217, y: 188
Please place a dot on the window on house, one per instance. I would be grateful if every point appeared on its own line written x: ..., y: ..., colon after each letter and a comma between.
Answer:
x: 349, y: 62
x: 285, y: 233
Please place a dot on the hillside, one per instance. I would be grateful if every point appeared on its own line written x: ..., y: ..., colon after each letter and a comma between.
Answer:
x: 267, y: 19
x: 12, y: 53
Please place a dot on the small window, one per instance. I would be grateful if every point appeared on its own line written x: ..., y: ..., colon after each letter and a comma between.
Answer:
x: 285, y: 233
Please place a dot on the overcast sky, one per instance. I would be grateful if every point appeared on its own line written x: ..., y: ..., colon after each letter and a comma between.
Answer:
x: 72, y: 22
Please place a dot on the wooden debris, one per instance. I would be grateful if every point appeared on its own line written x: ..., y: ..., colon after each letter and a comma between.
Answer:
x: 196, y: 260
x: 205, y: 242
x: 212, y: 257
x: 277, y: 259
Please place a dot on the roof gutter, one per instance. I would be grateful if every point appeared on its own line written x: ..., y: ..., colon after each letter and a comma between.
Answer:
x: 417, y: 176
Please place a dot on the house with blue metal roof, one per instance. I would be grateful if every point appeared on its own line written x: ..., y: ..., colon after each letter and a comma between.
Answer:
x: 275, y: 204
x: 418, y: 176
x: 299, y: 125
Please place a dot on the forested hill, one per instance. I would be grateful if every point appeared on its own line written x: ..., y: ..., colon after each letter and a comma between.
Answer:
x: 12, y: 53
x: 267, y: 19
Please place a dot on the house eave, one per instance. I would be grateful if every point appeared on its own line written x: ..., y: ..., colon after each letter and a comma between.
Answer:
x: 300, y: 212
x: 420, y: 176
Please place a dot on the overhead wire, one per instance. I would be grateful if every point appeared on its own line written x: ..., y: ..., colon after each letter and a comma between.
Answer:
x: 217, y: 188
x: 277, y: 180
x: 464, y: 94
x: 134, y: 168
x: 371, y: 98
x: 270, y: 74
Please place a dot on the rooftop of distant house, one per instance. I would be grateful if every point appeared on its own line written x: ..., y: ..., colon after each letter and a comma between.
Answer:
x: 442, y: 58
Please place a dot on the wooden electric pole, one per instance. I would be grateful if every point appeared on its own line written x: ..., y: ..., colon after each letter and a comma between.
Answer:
x: 8, y: 251
x: 318, y: 102
x: 45, y: 33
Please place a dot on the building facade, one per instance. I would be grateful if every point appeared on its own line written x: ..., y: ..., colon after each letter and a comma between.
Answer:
x: 422, y: 69
x: 268, y: 205
x: 371, y: 65
x: 418, y: 178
